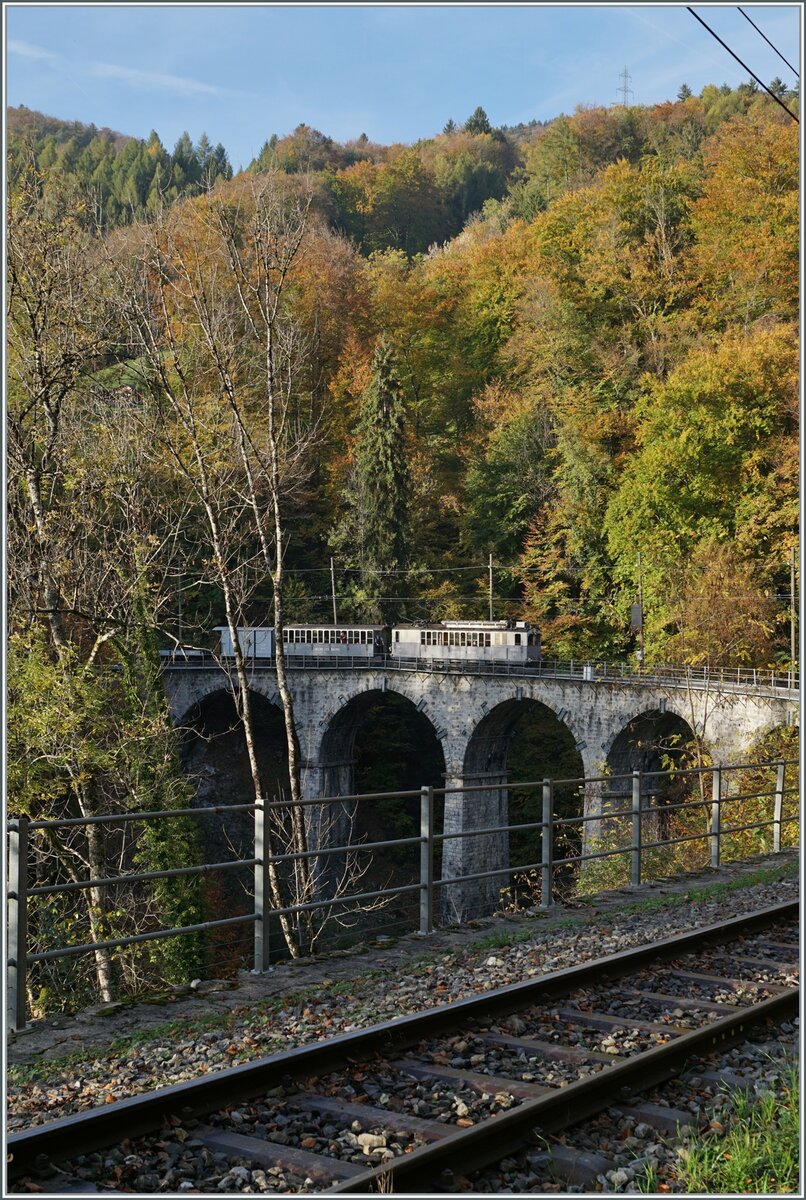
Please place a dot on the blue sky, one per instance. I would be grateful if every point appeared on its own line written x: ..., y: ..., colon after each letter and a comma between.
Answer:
x: 395, y: 72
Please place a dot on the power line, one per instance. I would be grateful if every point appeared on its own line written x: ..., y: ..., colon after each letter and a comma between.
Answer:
x: 743, y: 65
x: 767, y: 40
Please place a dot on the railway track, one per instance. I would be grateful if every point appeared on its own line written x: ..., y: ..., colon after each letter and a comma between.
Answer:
x: 356, y: 1113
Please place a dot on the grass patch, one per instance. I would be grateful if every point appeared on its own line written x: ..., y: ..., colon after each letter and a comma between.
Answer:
x: 502, y: 938
x: 713, y: 891
x: 758, y: 1154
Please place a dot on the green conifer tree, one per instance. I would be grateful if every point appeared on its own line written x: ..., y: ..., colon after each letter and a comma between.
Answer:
x: 478, y: 122
x: 372, y: 535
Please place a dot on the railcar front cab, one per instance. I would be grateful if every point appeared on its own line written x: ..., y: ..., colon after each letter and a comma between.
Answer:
x: 511, y: 641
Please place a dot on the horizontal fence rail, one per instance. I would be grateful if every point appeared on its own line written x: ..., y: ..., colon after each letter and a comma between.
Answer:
x: 730, y: 678
x: 624, y: 808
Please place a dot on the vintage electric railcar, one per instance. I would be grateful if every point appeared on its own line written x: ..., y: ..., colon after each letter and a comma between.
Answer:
x: 499, y: 641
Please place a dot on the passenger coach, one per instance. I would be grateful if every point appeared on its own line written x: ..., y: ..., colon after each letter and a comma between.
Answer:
x: 332, y: 641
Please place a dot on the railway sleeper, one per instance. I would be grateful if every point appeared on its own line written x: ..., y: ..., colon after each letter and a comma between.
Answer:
x: 370, y: 1117
x: 493, y: 1085
x: 682, y: 1002
x: 566, y: 1164
x: 765, y: 964
x: 262, y: 1153
x: 596, y: 1020
x: 731, y: 985
x: 534, y: 1048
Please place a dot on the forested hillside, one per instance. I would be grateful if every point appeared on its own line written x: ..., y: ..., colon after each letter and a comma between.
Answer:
x: 592, y: 325
x: 119, y: 178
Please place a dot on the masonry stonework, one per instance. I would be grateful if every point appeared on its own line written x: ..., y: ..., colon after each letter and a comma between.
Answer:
x: 472, y: 715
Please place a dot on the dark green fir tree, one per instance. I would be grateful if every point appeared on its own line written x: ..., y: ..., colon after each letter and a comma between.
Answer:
x: 372, y: 535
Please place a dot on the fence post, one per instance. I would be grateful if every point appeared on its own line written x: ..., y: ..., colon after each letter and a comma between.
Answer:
x: 547, y: 839
x: 17, y: 922
x: 779, y: 807
x: 635, y: 852
x: 716, y: 814
x: 426, y: 859
x: 262, y: 905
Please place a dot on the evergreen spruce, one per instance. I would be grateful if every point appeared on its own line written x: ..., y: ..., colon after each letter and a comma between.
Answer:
x: 373, y: 533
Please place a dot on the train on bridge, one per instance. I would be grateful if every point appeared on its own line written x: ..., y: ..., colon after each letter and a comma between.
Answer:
x: 515, y: 642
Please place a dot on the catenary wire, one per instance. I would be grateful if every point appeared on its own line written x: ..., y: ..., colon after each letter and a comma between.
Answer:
x: 767, y: 40
x: 744, y: 65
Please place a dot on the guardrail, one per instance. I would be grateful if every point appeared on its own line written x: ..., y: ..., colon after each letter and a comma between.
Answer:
x: 635, y: 791
x: 700, y: 678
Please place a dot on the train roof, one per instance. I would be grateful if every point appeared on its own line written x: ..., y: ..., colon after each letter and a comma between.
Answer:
x: 301, y: 625
x: 465, y: 625
x: 326, y: 625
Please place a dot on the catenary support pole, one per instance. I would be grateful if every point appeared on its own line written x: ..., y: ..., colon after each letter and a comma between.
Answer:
x: 491, y: 586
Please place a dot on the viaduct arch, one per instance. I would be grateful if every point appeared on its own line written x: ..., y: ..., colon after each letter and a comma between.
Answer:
x: 612, y: 723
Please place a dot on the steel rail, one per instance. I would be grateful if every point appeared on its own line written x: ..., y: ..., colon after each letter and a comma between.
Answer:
x: 136, y: 1115
x: 494, y: 1139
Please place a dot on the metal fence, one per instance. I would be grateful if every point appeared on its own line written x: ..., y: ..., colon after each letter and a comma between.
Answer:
x: 625, y: 805
x: 698, y: 678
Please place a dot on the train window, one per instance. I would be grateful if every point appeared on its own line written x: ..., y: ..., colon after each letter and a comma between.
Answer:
x: 517, y: 639
x: 397, y: 635
x: 487, y: 641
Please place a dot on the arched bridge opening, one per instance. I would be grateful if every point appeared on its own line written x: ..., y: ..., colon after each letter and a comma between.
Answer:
x: 518, y: 741
x: 676, y: 807
x: 214, y: 755
x: 770, y: 780
x: 380, y: 742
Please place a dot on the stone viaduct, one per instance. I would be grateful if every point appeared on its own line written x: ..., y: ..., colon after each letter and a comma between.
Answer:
x: 616, y: 724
